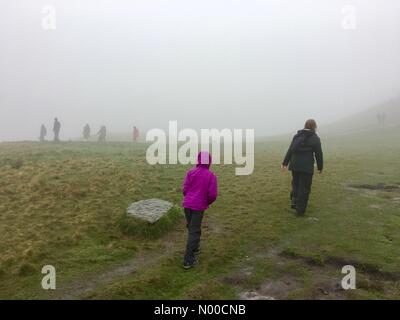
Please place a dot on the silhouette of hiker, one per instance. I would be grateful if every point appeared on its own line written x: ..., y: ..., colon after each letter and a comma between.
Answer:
x: 56, y: 130
x: 86, y: 132
x: 102, y: 134
x: 378, y: 116
x: 135, y: 134
x: 381, y: 119
x: 43, y: 132
x: 304, y: 147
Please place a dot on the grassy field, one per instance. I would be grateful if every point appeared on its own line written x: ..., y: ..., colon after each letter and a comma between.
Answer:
x: 61, y: 204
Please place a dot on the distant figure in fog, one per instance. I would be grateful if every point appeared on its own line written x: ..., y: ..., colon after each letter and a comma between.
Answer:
x: 135, y: 134
x: 43, y: 132
x: 304, y: 147
x: 381, y: 119
x: 86, y: 132
x: 102, y: 134
x: 56, y: 130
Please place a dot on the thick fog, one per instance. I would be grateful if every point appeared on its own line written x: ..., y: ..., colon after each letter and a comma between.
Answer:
x: 259, y: 64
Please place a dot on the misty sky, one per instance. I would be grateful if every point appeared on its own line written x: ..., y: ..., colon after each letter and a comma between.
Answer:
x: 259, y: 64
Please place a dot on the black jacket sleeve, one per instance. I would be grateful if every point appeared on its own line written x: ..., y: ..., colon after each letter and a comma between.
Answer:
x: 288, y: 155
x: 319, y: 157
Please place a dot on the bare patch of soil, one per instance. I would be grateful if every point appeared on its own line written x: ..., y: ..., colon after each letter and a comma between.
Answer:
x: 386, y: 191
x: 323, y: 284
x: 378, y: 186
x: 275, y: 289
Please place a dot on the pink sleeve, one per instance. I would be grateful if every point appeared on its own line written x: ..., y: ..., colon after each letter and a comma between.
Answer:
x: 212, y: 189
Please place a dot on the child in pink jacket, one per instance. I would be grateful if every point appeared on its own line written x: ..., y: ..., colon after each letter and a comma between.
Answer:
x: 199, y: 190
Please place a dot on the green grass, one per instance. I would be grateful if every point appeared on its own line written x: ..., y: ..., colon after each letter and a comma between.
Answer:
x: 62, y: 205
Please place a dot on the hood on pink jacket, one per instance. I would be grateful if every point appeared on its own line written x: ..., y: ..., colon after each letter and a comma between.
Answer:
x: 200, y: 184
x: 203, y: 159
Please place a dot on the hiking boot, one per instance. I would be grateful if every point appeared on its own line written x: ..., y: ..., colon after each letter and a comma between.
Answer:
x: 187, y: 265
x: 293, y: 202
x: 197, y: 252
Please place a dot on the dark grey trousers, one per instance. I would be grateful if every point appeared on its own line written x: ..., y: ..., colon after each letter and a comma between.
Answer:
x: 193, y: 224
x: 301, y: 189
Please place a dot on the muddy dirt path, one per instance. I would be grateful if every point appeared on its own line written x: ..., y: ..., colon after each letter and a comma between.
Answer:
x: 322, y: 283
x: 172, y: 244
x: 84, y: 284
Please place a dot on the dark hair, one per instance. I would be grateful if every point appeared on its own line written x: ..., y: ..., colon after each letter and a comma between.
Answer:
x: 310, y: 124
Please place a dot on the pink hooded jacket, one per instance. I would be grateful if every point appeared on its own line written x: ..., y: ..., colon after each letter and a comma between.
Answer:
x: 200, y: 185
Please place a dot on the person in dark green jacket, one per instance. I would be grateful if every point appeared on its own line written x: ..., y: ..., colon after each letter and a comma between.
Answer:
x: 305, y: 147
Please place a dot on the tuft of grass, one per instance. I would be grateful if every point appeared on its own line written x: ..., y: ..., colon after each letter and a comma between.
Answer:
x: 26, y: 269
x: 16, y: 164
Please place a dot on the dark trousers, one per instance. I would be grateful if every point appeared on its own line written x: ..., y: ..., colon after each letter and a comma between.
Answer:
x: 301, y: 189
x: 193, y: 224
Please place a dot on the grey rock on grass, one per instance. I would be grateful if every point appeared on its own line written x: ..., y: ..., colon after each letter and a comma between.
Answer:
x: 150, y: 210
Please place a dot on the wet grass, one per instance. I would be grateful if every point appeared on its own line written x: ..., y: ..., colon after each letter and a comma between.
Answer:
x: 62, y: 205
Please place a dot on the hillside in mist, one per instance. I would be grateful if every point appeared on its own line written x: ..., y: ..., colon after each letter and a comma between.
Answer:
x: 366, y: 120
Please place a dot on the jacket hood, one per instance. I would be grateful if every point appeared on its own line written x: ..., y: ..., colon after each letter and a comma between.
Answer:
x: 203, y: 159
x: 306, y: 132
